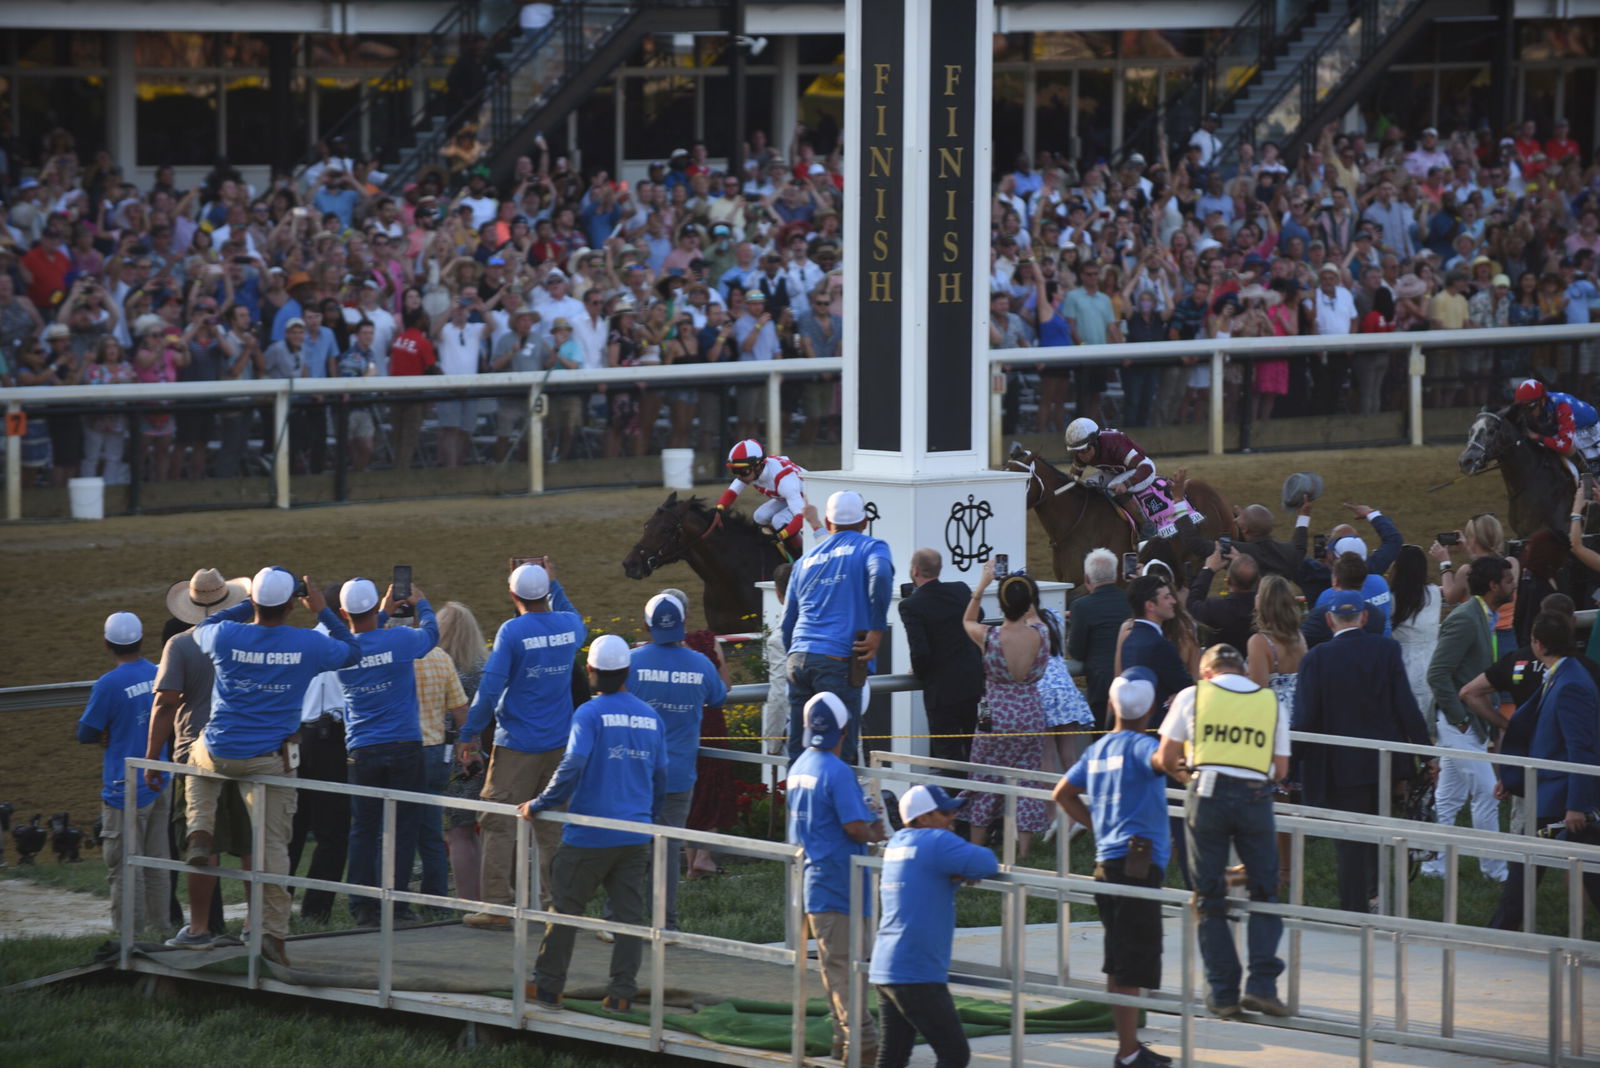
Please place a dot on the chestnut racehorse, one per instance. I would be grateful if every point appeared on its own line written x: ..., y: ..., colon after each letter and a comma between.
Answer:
x: 1078, y: 518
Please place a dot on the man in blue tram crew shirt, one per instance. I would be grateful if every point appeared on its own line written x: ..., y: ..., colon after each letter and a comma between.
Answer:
x: 527, y: 686
x: 679, y: 683
x: 840, y: 589
x: 923, y: 865
x: 383, y: 733
x: 829, y: 818
x: 1119, y: 789
x: 262, y: 670
x: 118, y: 717
x: 616, y: 767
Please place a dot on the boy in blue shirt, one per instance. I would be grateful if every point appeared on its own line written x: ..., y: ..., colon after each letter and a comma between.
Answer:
x: 118, y: 718
x: 829, y: 818
x: 923, y: 865
x: 615, y: 766
x: 1126, y: 795
x: 679, y: 683
x: 383, y: 733
x: 263, y: 668
x: 527, y: 687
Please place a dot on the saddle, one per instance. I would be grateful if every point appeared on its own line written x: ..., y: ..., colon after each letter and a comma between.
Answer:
x: 1164, y: 507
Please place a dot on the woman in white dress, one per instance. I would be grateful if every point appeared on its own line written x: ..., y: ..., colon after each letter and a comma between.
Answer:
x: 1415, y: 619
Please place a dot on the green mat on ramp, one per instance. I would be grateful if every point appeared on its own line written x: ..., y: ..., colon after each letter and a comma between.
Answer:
x: 767, y: 1024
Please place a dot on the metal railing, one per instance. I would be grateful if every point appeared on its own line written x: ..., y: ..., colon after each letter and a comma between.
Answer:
x: 1340, y: 54
x: 537, y: 385
x: 1568, y: 955
x: 1230, y: 64
x: 521, y: 913
x: 1418, y: 344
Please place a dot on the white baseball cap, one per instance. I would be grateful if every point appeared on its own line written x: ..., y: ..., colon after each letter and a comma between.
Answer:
x: 609, y: 652
x: 921, y: 800
x: 123, y: 628
x: 271, y: 587
x: 1350, y: 544
x: 530, y: 582
x: 358, y: 595
x: 846, y: 508
x: 1132, y: 693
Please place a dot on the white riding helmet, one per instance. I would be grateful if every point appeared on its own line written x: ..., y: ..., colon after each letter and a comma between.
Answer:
x: 1082, y: 434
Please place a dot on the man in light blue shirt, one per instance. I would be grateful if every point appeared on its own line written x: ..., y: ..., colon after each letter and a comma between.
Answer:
x: 923, y: 865
x: 616, y: 767
x: 383, y: 733
x: 679, y: 683
x: 527, y: 686
x: 837, y: 608
x: 263, y: 668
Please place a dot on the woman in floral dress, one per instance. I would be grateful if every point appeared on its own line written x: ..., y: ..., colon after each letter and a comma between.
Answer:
x: 1011, y: 725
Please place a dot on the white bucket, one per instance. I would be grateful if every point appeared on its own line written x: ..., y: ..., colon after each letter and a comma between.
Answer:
x: 677, y: 469
x: 88, y: 497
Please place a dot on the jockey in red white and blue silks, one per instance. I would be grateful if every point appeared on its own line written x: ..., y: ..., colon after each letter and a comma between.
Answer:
x: 781, y: 480
x: 1560, y: 422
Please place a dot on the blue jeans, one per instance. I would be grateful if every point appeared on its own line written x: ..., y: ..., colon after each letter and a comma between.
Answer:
x: 1237, y: 813
x: 811, y: 674
x: 430, y: 821
x: 395, y: 766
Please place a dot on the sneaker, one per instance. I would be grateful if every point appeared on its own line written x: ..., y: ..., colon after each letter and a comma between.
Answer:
x: 487, y: 921
x: 197, y: 851
x: 187, y: 939
x: 224, y: 940
x: 1266, y: 1004
x: 612, y: 1003
x: 1145, y: 1058
x: 544, y: 998
x: 605, y: 936
x: 1224, y: 1010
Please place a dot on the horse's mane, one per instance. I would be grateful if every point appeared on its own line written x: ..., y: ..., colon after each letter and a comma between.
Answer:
x: 731, y: 518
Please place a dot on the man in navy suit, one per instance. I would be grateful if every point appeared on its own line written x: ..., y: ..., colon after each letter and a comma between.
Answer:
x: 1153, y: 604
x: 1560, y: 722
x: 1354, y: 685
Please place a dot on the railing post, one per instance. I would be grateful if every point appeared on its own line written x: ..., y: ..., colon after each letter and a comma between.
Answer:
x: 658, y: 946
x: 1447, y: 973
x: 1385, y: 809
x: 1416, y: 367
x: 797, y: 919
x: 774, y: 414
x: 997, y: 415
x: 14, y: 465
x: 130, y: 846
x: 1530, y: 808
x: 386, y: 858
x: 1216, y: 424
x: 280, y: 444
x: 533, y: 438
x: 519, y: 928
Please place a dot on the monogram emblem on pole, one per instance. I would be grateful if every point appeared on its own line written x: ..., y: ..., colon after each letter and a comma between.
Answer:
x: 872, y: 516
x: 966, y: 532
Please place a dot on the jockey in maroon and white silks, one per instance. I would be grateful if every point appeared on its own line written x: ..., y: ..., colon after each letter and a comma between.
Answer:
x: 1112, y: 462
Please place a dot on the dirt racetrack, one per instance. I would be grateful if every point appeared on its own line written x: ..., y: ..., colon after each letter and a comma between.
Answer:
x: 59, y: 579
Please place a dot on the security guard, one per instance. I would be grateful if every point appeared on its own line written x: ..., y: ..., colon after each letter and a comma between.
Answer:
x: 1227, y: 740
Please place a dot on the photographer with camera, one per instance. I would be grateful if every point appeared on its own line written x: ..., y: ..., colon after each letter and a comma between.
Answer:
x: 263, y: 668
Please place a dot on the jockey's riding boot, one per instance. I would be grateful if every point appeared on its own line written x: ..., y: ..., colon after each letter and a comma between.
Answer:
x: 1126, y: 502
x: 795, y: 546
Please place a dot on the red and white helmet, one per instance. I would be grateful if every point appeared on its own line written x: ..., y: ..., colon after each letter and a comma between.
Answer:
x: 1531, y: 390
x: 746, y: 455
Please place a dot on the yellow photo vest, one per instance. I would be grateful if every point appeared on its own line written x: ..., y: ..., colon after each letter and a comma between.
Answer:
x: 1233, y: 730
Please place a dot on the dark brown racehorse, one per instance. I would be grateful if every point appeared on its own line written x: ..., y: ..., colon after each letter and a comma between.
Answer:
x: 729, y: 561
x: 1076, y: 518
x: 1539, y: 485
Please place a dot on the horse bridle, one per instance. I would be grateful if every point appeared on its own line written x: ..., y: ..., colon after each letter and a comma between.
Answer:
x: 1070, y: 482
x: 1477, y: 449
x: 670, y: 550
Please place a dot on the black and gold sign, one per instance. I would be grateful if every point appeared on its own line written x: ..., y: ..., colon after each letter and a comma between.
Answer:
x: 952, y: 199
x: 880, y: 224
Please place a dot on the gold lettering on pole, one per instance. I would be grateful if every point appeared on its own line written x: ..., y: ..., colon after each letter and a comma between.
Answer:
x: 950, y: 286
x: 950, y: 205
x: 952, y: 247
x: 880, y: 78
x: 881, y: 157
x: 951, y: 162
x: 952, y: 78
x: 883, y: 112
x: 880, y: 245
x: 881, y: 213
x: 882, y: 287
